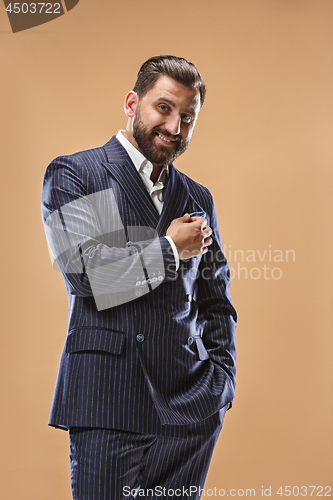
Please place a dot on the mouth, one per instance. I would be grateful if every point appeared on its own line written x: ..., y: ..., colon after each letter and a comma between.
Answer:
x: 167, y: 141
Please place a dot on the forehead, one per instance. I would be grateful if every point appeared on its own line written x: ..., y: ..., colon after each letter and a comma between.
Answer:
x: 168, y: 88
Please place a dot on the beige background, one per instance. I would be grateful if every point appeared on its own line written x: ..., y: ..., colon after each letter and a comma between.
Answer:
x: 262, y: 145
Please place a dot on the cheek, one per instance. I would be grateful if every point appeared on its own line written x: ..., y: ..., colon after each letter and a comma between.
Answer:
x: 187, y: 134
x: 153, y: 119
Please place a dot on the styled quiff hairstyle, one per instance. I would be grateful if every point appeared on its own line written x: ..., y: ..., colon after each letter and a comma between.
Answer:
x: 177, y: 68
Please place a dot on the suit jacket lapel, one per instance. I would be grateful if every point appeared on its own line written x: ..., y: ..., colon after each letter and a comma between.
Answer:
x: 175, y: 200
x: 124, y: 172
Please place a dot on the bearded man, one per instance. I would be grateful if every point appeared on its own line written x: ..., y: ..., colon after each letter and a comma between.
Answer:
x: 148, y: 367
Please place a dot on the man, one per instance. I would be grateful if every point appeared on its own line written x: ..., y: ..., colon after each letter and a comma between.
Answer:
x: 148, y: 367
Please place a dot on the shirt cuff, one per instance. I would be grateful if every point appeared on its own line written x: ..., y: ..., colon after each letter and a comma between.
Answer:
x: 175, y: 251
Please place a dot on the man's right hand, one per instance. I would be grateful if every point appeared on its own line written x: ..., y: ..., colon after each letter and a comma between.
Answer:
x: 191, y: 235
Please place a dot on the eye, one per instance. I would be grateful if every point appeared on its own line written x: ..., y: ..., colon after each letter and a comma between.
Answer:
x: 163, y: 107
x: 186, y: 118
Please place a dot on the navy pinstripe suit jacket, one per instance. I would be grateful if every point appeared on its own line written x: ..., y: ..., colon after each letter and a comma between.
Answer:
x: 163, y: 362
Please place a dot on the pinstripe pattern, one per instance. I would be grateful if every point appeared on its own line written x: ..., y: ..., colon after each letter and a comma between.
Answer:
x: 159, y: 364
x: 110, y: 464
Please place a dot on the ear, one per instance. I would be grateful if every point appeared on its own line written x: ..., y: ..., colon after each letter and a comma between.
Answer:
x: 131, y: 102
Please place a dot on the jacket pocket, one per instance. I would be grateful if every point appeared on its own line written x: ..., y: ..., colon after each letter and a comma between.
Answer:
x: 95, y: 339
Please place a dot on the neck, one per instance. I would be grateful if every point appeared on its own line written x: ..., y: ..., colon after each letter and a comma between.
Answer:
x: 157, y: 169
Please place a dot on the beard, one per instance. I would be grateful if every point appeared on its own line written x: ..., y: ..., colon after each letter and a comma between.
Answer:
x: 157, y: 153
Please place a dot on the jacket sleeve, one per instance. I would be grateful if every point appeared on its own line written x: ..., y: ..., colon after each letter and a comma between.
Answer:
x: 216, y: 313
x: 95, y: 253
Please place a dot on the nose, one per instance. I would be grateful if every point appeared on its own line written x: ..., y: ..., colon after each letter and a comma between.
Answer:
x: 172, y: 124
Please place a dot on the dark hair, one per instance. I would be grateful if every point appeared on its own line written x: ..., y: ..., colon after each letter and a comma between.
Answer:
x: 177, y: 68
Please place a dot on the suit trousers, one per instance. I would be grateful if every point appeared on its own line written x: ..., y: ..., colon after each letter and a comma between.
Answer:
x: 109, y: 464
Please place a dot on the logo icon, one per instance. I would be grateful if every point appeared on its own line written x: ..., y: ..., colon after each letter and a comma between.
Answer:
x: 25, y: 15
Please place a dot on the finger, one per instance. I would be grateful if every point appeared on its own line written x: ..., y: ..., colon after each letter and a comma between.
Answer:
x: 201, y: 220
x: 207, y: 241
x: 204, y: 222
x: 186, y: 216
x: 207, y: 231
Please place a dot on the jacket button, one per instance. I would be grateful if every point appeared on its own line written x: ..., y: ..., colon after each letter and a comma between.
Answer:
x: 190, y: 340
x: 140, y: 337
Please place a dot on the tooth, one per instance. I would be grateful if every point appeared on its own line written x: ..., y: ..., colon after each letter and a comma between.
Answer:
x: 164, y: 138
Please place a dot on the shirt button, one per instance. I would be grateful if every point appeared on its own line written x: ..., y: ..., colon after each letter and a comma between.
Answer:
x: 140, y: 337
x: 190, y: 340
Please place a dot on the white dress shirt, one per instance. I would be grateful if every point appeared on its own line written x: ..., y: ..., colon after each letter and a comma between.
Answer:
x: 156, y: 190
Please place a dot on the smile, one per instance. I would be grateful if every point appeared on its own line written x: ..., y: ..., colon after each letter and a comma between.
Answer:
x: 165, y: 139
